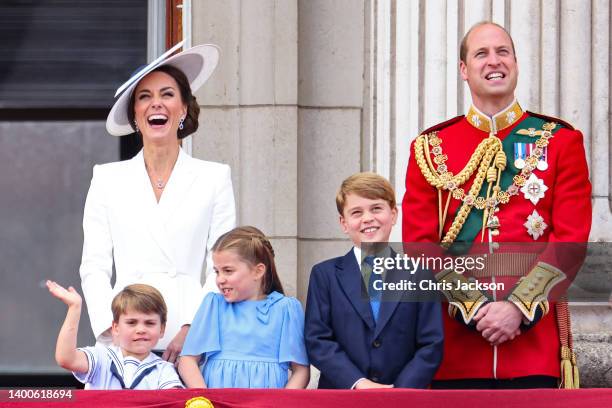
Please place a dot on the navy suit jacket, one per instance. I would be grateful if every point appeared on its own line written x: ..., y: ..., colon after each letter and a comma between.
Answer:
x: 403, y: 348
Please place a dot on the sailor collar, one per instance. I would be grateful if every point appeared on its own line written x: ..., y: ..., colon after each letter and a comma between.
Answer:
x: 118, y: 366
x: 501, y: 120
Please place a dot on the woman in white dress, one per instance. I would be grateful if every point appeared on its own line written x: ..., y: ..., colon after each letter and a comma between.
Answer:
x: 156, y: 216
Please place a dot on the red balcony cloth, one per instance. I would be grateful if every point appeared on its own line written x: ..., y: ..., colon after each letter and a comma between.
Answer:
x: 230, y: 398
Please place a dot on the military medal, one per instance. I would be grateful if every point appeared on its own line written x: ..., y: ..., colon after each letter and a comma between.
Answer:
x: 542, y: 162
x: 520, y: 154
x: 535, y: 225
x: 527, y: 158
x: 524, y: 150
x: 534, y: 189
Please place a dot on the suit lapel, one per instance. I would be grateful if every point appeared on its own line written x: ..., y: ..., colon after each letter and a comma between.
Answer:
x: 156, y: 214
x: 351, y: 282
x: 179, y: 183
x: 141, y: 183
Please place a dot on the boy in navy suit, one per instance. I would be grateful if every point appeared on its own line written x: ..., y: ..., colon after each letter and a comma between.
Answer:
x: 359, y: 342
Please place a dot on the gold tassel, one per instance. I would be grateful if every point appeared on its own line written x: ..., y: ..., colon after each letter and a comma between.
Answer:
x: 567, y: 370
x: 576, y: 374
x: 567, y: 374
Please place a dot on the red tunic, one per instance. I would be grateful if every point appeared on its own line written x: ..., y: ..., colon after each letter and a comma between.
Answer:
x: 565, y: 208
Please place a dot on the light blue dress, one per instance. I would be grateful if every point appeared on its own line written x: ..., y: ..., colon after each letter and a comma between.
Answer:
x: 249, y: 344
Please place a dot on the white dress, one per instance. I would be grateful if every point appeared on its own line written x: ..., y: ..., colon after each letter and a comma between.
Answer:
x: 161, y: 244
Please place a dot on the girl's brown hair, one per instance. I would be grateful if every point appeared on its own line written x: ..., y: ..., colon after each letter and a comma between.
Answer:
x: 253, y: 247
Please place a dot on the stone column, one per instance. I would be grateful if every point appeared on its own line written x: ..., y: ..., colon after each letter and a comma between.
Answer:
x: 331, y: 70
x: 249, y: 115
x: 311, y: 91
x: 563, y: 51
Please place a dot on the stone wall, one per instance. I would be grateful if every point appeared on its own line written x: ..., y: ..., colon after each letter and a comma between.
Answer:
x: 310, y: 91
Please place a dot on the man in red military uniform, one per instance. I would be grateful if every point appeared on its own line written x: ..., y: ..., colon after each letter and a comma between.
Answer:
x: 500, y: 175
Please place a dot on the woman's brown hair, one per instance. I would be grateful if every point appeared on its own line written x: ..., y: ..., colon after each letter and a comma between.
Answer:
x: 190, y: 124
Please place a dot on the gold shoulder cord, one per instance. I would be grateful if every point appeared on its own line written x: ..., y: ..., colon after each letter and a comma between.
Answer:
x: 488, y: 161
x: 442, y: 179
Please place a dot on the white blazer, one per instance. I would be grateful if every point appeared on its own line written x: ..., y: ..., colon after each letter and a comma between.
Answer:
x: 161, y: 244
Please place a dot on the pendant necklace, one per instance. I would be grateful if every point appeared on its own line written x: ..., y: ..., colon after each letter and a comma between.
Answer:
x: 158, y: 181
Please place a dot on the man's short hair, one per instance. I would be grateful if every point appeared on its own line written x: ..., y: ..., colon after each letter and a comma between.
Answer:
x: 368, y: 185
x: 463, y: 48
x: 141, y: 298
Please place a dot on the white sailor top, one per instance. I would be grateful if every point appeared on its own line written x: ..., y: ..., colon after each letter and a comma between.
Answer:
x: 109, y: 370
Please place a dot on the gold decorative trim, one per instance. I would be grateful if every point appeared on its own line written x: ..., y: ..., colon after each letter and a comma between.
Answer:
x: 467, y: 302
x: 533, y: 289
x: 487, y: 162
x: 199, y: 402
x: 501, y: 120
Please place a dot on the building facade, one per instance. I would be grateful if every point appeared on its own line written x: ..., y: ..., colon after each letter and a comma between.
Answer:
x: 309, y: 92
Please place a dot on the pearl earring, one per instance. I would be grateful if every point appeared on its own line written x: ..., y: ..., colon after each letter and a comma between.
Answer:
x: 136, y: 125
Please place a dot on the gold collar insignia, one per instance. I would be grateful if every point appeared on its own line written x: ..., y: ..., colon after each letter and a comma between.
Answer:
x: 501, y: 120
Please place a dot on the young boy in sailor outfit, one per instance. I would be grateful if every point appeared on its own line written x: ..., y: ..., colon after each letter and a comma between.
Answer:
x: 139, y: 319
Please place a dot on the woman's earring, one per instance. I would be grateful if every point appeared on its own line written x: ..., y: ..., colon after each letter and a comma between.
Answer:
x: 181, y: 126
x: 136, y: 126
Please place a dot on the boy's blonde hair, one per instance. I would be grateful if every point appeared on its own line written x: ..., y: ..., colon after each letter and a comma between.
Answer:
x: 141, y: 298
x: 368, y: 185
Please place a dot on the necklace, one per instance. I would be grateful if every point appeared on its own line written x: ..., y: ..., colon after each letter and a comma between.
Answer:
x: 159, y: 179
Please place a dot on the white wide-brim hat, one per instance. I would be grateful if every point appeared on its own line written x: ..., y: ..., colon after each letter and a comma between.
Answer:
x: 198, y: 64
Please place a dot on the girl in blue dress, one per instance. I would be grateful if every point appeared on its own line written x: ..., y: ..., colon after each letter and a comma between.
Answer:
x: 249, y: 335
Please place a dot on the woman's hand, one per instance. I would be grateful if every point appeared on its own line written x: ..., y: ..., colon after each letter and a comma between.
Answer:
x: 173, y: 350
